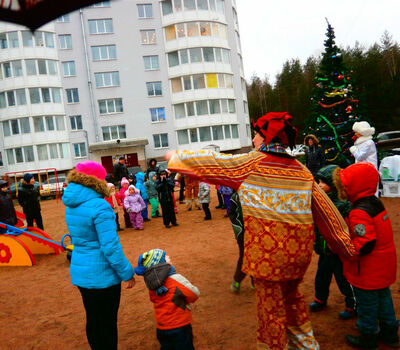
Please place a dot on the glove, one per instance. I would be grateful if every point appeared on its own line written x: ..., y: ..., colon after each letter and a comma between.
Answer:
x: 129, y: 210
x: 353, y: 149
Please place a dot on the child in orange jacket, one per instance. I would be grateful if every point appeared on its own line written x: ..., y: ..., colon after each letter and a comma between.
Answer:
x: 171, y: 295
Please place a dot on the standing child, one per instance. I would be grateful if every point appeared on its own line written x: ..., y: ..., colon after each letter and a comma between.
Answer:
x: 115, y: 203
x: 170, y: 294
x: 122, y: 191
x: 143, y: 193
x: 329, y: 263
x: 7, y: 212
x: 150, y: 185
x: 204, y: 197
x: 28, y: 198
x: 165, y: 189
x: 374, y: 269
x: 192, y: 192
x: 134, y: 204
x: 226, y: 193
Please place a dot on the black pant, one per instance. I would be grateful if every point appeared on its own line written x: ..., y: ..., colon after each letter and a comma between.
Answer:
x: 117, y: 221
x: 328, y: 265
x: 37, y: 216
x: 101, y: 307
x: 206, y: 209
x: 182, y: 190
x: 220, y: 200
x: 168, y: 213
x: 176, y: 339
x: 239, y: 274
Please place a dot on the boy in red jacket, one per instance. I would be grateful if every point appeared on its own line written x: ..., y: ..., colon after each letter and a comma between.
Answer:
x: 170, y: 293
x: 374, y: 269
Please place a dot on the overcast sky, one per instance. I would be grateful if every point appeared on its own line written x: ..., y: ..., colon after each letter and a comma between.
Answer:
x: 273, y: 31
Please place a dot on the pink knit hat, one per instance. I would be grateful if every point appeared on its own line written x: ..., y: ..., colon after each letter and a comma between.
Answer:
x: 124, y: 181
x: 91, y: 168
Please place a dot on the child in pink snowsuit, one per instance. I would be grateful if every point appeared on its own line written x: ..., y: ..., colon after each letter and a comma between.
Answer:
x: 134, y: 204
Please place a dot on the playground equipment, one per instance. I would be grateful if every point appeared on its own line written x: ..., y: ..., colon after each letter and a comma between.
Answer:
x: 17, y: 246
x: 47, y: 188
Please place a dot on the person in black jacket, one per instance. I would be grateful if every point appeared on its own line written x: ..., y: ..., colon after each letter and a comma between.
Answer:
x: 120, y: 170
x: 28, y: 198
x: 7, y: 212
x: 165, y: 188
x: 315, y: 154
x: 152, y: 167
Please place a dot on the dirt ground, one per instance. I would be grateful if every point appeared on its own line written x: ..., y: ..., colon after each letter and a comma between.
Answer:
x: 40, y: 309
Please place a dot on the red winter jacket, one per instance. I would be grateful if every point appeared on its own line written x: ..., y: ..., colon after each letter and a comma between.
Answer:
x: 110, y: 201
x: 371, y: 231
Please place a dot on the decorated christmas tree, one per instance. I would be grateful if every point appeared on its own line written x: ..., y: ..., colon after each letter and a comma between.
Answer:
x: 334, y: 105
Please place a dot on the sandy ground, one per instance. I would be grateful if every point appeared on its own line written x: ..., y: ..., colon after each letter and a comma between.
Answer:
x: 40, y: 309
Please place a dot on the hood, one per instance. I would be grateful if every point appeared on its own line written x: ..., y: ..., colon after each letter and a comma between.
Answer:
x: 151, y: 174
x: 313, y: 137
x: 326, y: 175
x: 139, y: 177
x: 151, y: 161
x: 359, y: 180
x: 82, y: 188
x: 155, y: 276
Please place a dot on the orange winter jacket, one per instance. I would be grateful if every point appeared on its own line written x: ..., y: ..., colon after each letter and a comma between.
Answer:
x: 171, y: 309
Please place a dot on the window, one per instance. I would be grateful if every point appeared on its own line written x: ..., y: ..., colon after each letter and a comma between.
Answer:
x: 28, y: 154
x: 60, y: 125
x: 16, y: 68
x: 198, y: 81
x: 114, y: 132
x: 192, y: 29
x: 205, y: 29
x: 183, y: 138
x: 49, y: 39
x: 189, y: 5
x: 160, y: 140
x: 145, y: 11
x: 148, y: 37
x: 173, y: 59
x: 10, y: 156
x: 176, y: 85
x: 63, y: 19
x: 52, y: 67
x: 56, y: 94
x: 34, y: 95
x: 38, y: 124
x: 179, y: 111
x: 31, y: 67
x: 69, y: 68
x: 157, y: 114
x: 13, y: 39
x: 42, y: 152
x: 42, y: 66
x: 39, y: 38
x: 72, y: 95
x: 63, y: 150
x: 65, y: 41
x: 201, y: 107
x: 10, y: 98
x: 193, y: 135
x: 16, y: 127
x: 50, y: 124
x: 205, y: 134
x: 53, y: 151
x: 80, y: 150
x: 184, y: 56
x: 217, y: 132
x: 104, y: 52
x: 154, y: 88
x: 27, y: 38
x: 151, y: 62
x: 214, y: 107
x: 227, y: 131
x: 245, y: 107
x: 190, y: 109
x: 20, y: 155
x: 211, y: 79
x: 113, y: 105
x: 101, y: 4
x: 100, y: 26
x: 208, y: 54
x: 45, y: 95
x: 7, y: 69
x: 106, y: 79
x: 231, y: 106
x: 25, y: 126
x: 76, y: 122
x: 3, y: 103
x: 235, y: 131
x: 21, y: 97
x: 202, y: 5
x: 195, y: 55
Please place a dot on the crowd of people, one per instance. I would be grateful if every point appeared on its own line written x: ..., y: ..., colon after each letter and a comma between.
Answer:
x: 273, y: 202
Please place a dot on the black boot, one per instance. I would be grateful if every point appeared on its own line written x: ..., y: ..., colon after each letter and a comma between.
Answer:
x: 363, y: 341
x: 388, y: 335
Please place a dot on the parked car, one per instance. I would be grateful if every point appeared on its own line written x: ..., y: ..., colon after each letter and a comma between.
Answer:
x: 52, y: 186
x: 388, y: 135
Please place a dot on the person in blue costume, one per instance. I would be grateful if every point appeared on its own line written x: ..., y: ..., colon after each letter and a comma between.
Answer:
x: 143, y: 193
x: 98, y: 264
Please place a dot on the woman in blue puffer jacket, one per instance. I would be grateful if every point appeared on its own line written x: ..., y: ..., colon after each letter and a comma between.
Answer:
x: 98, y: 264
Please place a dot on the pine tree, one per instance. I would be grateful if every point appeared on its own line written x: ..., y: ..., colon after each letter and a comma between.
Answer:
x: 335, y: 107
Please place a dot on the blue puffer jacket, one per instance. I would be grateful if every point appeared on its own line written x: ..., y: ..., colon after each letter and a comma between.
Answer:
x: 140, y: 185
x: 97, y: 260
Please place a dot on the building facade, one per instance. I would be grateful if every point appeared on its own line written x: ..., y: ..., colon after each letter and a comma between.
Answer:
x: 137, y: 77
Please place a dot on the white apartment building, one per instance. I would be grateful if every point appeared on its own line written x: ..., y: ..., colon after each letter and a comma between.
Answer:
x: 132, y: 78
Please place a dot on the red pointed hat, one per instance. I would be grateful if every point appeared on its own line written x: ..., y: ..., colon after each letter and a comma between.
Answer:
x: 276, y: 125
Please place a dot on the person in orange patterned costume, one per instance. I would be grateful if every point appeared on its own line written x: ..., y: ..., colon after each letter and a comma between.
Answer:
x: 280, y: 202
x: 192, y: 192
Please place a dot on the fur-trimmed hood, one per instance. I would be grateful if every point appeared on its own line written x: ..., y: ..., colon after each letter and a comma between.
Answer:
x: 100, y: 186
x: 313, y: 137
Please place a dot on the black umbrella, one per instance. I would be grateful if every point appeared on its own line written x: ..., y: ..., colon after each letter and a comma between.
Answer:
x: 35, y: 13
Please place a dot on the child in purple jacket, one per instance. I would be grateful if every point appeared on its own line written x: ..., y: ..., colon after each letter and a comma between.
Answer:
x: 134, y: 204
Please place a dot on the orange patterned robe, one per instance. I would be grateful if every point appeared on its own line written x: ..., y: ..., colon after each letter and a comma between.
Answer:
x: 280, y: 203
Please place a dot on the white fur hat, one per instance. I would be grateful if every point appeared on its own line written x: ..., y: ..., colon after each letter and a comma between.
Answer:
x: 363, y: 128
